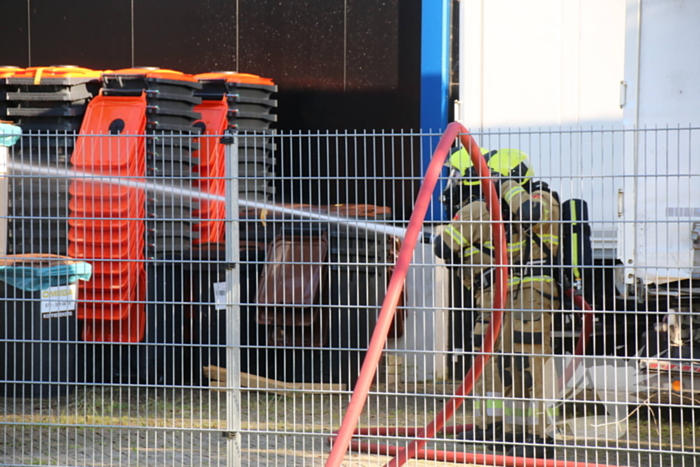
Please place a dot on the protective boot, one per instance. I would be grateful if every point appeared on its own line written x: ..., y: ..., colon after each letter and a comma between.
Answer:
x: 532, y: 447
x: 492, y: 433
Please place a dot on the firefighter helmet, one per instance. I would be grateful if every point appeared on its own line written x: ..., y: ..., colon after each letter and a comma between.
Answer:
x: 511, y: 164
x: 462, y: 168
x: 463, y: 184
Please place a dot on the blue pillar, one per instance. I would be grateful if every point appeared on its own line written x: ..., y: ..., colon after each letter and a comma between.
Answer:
x: 435, y: 80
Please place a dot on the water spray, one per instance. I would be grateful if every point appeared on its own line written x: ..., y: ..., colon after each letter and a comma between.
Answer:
x: 194, y: 194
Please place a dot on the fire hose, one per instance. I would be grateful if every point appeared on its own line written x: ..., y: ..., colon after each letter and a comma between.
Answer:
x: 342, y: 440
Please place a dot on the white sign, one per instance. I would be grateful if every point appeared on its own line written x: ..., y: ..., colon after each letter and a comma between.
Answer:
x: 59, y: 301
x: 220, y: 295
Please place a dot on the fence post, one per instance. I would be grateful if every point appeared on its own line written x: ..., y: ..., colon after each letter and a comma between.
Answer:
x: 233, y: 317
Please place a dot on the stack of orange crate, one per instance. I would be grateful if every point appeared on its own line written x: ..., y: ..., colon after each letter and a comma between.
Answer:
x: 106, y: 226
x: 211, y: 170
x: 170, y: 133
x: 48, y: 103
x: 240, y: 102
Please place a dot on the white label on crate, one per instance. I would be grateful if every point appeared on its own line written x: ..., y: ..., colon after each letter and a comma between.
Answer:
x: 220, y: 296
x: 59, y: 301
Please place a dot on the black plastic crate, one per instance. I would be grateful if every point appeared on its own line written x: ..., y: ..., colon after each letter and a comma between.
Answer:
x: 46, y: 112
x: 263, y: 140
x: 159, y: 245
x: 157, y: 199
x: 257, y: 105
x: 34, y: 142
x: 45, y: 244
x: 163, y: 247
x: 156, y: 112
x: 32, y: 228
x: 171, y: 240
x: 170, y: 228
x: 249, y: 154
x: 215, y: 89
x: 170, y: 150
x: 37, y: 187
x: 173, y: 229
x: 250, y: 90
x: 56, y: 82
x: 46, y: 104
x: 260, y: 168
x: 247, y: 185
x: 49, y: 247
x: 254, y: 157
x: 238, y: 114
x: 42, y: 92
x: 246, y: 121
x: 174, y: 169
x: 54, y: 160
x: 48, y: 210
x: 171, y: 102
x: 257, y: 196
x: 39, y: 200
x: 60, y: 124
x: 163, y: 121
x: 133, y: 84
x: 169, y: 123
x: 173, y: 212
x: 173, y: 156
x: 165, y: 140
x: 16, y: 109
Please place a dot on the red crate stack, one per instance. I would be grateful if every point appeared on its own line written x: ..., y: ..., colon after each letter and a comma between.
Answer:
x: 106, y: 226
x: 211, y: 171
x: 250, y: 105
x: 170, y: 133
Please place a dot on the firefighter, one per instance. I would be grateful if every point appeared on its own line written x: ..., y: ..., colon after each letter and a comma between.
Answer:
x: 513, y: 398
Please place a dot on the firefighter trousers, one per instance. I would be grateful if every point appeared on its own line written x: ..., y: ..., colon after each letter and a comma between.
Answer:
x: 517, y: 386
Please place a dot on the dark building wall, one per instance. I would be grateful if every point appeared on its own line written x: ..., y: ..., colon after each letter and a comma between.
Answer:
x: 339, y: 65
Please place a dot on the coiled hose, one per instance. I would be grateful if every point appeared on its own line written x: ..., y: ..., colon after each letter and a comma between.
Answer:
x: 342, y: 440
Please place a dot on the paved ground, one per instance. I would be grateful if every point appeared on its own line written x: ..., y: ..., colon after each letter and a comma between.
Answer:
x: 103, y: 426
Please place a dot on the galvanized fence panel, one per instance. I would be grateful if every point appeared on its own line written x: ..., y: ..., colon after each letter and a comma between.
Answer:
x: 232, y: 300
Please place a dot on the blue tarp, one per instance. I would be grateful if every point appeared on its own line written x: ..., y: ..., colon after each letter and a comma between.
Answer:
x: 9, y: 134
x: 33, y: 279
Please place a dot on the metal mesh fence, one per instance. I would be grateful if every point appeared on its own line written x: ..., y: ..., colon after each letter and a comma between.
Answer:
x: 178, y: 299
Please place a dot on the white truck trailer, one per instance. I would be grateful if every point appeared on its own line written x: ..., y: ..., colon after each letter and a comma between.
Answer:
x: 604, y: 95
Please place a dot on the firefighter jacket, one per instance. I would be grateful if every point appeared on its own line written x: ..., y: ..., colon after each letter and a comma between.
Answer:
x: 532, y: 226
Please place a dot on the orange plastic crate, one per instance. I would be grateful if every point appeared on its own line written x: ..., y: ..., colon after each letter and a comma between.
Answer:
x: 116, y: 268
x: 211, y: 151
x: 111, y: 304
x: 119, y: 125
x: 58, y: 72
x: 133, y: 208
x: 91, y: 252
x: 114, y: 237
x: 160, y: 73
x: 234, y: 77
x: 7, y: 71
x: 209, y: 232
x: 130, y: 328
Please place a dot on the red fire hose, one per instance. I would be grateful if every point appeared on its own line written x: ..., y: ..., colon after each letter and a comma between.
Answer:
x: 342, y: 440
